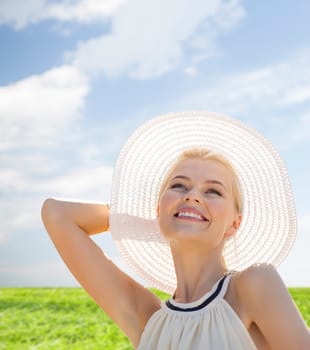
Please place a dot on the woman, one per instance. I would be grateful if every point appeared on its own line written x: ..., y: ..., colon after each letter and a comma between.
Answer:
x: 201, y: 207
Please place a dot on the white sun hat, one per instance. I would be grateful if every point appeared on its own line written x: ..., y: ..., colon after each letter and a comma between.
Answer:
x: 268, y: 226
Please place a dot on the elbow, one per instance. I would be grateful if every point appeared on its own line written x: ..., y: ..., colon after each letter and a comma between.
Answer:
x: 46, y: 207
x: 49, y: 211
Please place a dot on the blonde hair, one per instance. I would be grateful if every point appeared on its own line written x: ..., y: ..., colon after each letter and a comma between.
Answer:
x: 201, y: 153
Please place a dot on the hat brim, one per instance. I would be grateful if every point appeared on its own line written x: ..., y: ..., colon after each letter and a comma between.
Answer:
x: 268, y: 227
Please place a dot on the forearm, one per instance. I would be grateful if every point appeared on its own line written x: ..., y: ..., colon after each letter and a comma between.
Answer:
x: 92, y: 218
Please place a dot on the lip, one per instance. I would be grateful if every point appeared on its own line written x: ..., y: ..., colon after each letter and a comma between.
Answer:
x: 190, y: 213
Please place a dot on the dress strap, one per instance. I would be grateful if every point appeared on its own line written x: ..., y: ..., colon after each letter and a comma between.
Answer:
x: 220, y: 290
x: 225, y: 284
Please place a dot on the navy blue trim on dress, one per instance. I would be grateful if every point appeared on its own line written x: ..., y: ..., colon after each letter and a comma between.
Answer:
x: 203, y: 304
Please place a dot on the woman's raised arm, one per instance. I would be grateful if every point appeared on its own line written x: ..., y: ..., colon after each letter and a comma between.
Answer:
x: 70, y: 225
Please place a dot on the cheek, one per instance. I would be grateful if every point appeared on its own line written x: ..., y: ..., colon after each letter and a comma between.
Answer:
x: 165, y: 209
x: 166, y: 201
x: 219, y: 208
x: 215, y: 205
x: 162, y: 217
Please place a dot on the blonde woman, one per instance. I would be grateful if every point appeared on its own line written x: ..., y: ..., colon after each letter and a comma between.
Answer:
x: 202, y: 208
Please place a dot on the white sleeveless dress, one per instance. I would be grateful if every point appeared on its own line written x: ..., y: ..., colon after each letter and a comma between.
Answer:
x: 209, y: 323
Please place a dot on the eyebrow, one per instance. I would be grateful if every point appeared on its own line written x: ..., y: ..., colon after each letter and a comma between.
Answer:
x: 207, y: 181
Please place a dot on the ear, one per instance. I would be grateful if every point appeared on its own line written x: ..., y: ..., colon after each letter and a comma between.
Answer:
x: 234, y: 226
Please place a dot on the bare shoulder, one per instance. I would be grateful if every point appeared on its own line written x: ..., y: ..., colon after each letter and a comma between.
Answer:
x: 258, y: 278
x: 248, y: 286
x: 260, y: 287
x: 253, y: 284
x: 267, y: 304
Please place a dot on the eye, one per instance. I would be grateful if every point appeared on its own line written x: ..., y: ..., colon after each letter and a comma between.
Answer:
x: 214, y: 191
x: 178, y: 186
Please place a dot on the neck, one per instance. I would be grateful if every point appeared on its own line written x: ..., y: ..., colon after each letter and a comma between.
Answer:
x: 196, y: 271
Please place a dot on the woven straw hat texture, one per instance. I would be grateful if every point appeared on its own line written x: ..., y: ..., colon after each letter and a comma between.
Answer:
x: 268, y: 227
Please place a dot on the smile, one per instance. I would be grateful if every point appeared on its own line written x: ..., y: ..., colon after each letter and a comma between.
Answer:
x: 190, y: 215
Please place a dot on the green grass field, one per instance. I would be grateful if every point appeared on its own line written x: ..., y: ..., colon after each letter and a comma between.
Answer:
x: 66, y: 318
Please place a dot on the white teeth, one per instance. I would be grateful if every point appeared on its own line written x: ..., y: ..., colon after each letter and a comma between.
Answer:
x: 189, y: 214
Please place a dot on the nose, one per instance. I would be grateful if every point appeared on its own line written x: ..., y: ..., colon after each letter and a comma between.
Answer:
x: 192, y: 196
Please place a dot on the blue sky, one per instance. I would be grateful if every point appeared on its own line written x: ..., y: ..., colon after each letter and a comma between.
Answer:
x: 77, y: 77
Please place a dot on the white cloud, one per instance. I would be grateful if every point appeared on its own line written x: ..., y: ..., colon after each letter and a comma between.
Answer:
x: 18, y: 212
x: 190, y: 71
x: 264, y: 98
x: 83, y: 183
x: 80, y: 182
x: 259, y: 89
x: 22, y: 191
x: 36, y: 115
x: 149, y: 38
x: 36, y: 109
x: 83, y: 10
x: 20, y: 14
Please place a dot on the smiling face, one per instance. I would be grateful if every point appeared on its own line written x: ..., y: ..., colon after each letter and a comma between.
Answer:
x: 197, y: 203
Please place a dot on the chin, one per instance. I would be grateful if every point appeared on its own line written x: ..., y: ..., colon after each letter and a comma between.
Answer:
x: 182, y: 234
